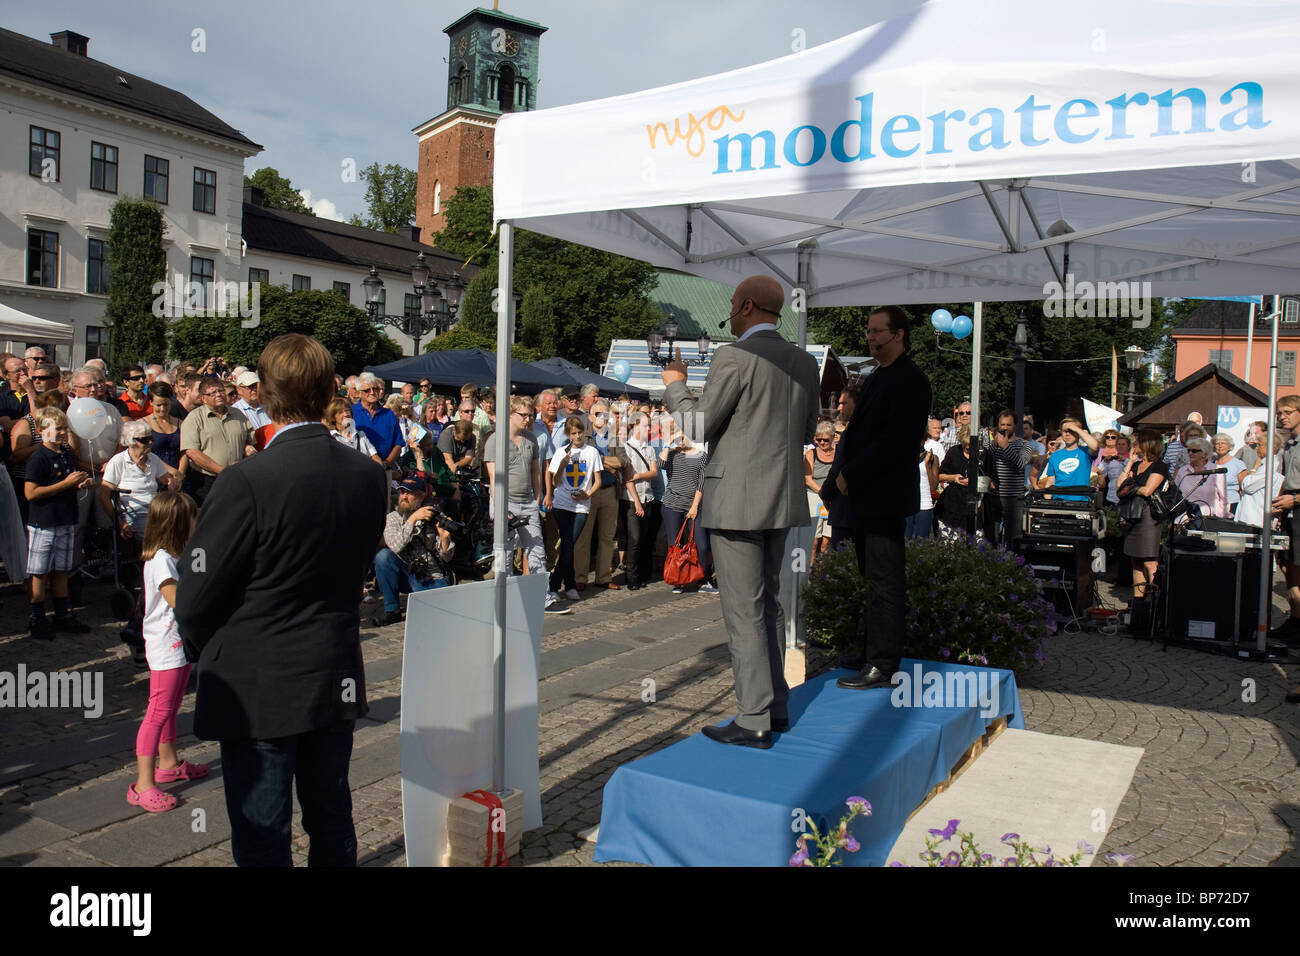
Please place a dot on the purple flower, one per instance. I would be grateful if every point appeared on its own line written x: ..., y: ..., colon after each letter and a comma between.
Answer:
x: 858, y: 803
x: 1119, y: 859
x: 928, y: 855
x: 1010, y: 838
x: 800, y: 858
x: 1039, y: 655
x: 1087, y: 847
x: 947, y: 831
x: 952, y: 859
x: 898, y: 863
x: 1010, y: 861
x: 850, y: 844
x: 1015, y: 598
x: 986, y: 858
x: 944, y: 652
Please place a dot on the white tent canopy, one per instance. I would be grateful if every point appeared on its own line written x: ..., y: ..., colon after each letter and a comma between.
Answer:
x: 929, y: 157
x: 19, y: 326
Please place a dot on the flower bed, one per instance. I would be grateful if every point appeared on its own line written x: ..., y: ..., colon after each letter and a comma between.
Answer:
x: 965, y: 602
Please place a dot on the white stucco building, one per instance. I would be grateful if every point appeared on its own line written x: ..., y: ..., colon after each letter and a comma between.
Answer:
x: 77, y: 135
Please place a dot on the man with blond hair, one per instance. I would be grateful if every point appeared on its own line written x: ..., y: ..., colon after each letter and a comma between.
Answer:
x: 272, y: 618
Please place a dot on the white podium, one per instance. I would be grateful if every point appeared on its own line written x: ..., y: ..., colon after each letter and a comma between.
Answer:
x: 447, y: 721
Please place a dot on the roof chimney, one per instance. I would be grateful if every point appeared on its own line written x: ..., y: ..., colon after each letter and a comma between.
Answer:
x: 415, y: 233
x: 72, y: 42
x: 254, y: 196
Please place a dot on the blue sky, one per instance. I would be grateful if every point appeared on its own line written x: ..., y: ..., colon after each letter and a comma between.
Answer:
x: 321, y: 82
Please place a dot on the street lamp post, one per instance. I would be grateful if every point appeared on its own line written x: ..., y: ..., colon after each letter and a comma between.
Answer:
x: 1022, y: 343
x: 438, y: 305
x: 655, y: 340
x: 1133, y: 357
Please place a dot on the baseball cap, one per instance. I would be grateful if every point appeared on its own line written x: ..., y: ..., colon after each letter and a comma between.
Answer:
x: 414, y: 484
x: 247, y: 379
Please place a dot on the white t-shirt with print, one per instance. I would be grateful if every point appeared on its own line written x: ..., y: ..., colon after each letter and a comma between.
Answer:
x: 570, y: 476
x: 162, y: 640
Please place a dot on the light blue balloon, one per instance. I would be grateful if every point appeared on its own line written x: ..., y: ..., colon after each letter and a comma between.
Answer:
x: 941, y: 319
x: 621, y: 370
x: 961, y: 326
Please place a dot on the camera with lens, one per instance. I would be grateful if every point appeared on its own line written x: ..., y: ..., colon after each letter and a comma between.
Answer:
x: 514, y: 522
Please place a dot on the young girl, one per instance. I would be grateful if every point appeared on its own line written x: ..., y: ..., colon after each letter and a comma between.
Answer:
x: 170, y: 524
x: 572, y: 477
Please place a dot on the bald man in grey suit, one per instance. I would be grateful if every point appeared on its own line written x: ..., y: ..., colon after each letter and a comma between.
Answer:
x: 757, y: 411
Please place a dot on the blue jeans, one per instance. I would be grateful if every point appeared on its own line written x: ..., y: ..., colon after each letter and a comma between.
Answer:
x: 919, y: 525
x: 258, y: 776
x: 393, y: 579
x: 570, y: 524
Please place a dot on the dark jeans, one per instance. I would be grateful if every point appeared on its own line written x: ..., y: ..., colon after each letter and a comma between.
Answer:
x: 1013, y: 519
x: 879, y: 544
x: 919, y: 525
x: 259, y: 775
x: 394, y: 579
x: 673, y: 521
x: 570, y: 524
x: 641, y: 535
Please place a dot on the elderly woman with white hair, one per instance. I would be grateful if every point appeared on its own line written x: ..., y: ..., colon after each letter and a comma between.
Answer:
x: 1209, y: 491
x: 139, y: 475
x: 1254, y: 502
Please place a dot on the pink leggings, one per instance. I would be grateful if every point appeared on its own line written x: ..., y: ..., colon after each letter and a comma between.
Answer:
x: 166, y: 689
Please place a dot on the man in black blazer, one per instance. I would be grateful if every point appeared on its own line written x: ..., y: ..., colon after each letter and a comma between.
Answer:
x: 876, y: 467
x: 269, y: 605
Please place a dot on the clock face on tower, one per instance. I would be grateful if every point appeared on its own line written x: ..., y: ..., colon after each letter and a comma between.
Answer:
x: 462, y: 44
x: 512, y: 45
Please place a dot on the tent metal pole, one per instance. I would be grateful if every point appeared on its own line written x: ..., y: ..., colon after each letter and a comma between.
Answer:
x: 1266, y: 533
x: 505, y: 324
x: 976, y: 451
x: 803, y: 275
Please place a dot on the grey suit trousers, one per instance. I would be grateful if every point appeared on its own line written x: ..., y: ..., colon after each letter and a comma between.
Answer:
x: 748, y: 566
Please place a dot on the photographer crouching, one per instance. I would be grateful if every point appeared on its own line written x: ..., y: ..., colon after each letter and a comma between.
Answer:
x: 418, y: 549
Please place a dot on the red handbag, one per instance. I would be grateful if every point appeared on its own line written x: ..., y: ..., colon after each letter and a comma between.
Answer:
x: 682, y: 564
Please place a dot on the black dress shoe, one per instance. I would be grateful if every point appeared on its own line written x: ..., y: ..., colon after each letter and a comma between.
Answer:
x: 853, y: 662
x: 732, y: 733
x: 780, y: 724
x: 871, y: 677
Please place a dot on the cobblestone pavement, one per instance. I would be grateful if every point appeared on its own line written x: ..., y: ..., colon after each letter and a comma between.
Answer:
x: 1218, y: 782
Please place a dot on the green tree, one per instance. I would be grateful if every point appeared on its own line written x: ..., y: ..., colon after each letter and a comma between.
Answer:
x: 468, y: 225
x: 390, y: 197
x: 136, y: 260
x: 342, y: 328
x: 277, y: 191
x: 590, y: 297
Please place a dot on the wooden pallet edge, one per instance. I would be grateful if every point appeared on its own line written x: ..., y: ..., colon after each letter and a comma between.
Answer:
x: 964, y: 762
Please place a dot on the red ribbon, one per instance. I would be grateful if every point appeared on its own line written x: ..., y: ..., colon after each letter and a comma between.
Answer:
x: 487, y: 798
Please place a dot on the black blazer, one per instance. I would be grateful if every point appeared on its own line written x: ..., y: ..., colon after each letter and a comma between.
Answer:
x: 269, y: 596
x: 878, y: 451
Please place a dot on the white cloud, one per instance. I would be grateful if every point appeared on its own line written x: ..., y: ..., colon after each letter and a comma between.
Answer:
x: 321, y: 207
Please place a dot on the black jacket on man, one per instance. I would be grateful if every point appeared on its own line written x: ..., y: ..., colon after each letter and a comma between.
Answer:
x: 269, y: 596
x: 878, y: 451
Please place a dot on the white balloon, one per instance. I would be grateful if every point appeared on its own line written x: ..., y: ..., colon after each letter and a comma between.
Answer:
x: 87, y: 418
x: 104, y: 445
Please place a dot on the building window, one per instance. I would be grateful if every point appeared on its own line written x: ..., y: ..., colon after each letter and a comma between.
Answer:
x: 437, y: 197
x: 521, y: 95
x: 301, y: 283
x: 156, y: 174
x: 42, y: 258
x: 97, y: 267
x: 205, y: 190
x: 1286, y: 368
x: 493, y: 80
x: 44, y: 158
x: 103, y: 167
x: 344, y: 289
x: 411, y: 306
x: 96, y: 342
x: 1222, y: 358
x: 259, y: 275
x: 203, y: 271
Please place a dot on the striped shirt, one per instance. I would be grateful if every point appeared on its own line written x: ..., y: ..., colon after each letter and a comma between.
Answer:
x: 685, y: 475
x: 1010, y: 465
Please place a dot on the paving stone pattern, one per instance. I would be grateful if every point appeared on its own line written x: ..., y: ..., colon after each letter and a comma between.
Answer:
x: 1218, y: 783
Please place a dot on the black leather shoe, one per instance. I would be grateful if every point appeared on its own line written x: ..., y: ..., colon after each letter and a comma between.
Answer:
x: 734, y: 734
x: 780, y: 725
x: 854, y: 662
x: 871, y: 677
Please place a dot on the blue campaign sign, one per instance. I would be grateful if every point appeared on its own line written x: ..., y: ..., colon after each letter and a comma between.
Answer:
x: 1235, y: 419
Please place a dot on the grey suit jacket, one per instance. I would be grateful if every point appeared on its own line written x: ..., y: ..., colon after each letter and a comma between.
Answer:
x: 757, y: 411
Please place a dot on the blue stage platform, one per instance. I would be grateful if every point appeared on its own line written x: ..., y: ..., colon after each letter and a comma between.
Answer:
x: 701, y: 803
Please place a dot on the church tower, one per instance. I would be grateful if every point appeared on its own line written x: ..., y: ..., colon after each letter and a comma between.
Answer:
x: 491, y: 69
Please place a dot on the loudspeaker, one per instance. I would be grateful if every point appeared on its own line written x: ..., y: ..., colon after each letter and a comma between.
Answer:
x: 1205, y: 596
x: 1069, y: 564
